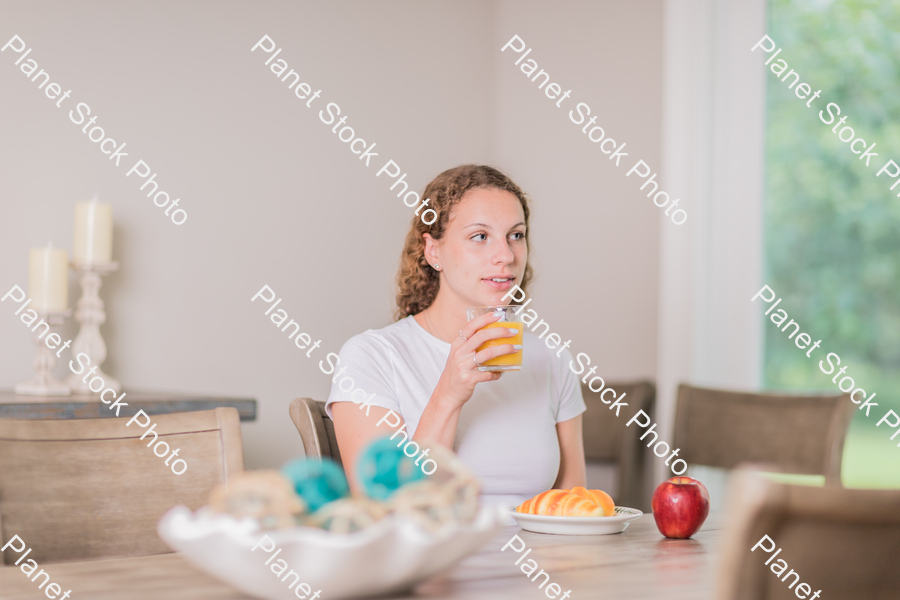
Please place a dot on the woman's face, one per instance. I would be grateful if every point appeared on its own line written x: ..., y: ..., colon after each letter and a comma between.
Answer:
x: 483, y: 252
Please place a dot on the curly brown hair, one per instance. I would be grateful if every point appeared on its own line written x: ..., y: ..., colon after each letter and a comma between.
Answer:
x: 417, y: 281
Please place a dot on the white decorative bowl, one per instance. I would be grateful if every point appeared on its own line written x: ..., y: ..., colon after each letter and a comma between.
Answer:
x: 391, y: 556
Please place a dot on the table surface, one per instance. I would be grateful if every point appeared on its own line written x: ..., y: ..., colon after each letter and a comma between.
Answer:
x: 89, y: 406
x: 637, y: 564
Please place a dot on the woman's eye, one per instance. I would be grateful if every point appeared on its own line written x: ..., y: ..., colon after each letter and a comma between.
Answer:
x: 479, y: 237
x: 518, y: 236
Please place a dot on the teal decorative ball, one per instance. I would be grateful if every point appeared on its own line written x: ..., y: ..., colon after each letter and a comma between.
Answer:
x: 318, y: 482
x: 383, y: 468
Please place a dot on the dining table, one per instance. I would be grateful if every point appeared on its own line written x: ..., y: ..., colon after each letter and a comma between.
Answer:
x: 637, y: 564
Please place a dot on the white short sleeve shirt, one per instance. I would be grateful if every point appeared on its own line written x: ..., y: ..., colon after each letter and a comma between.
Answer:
x: 507, y: 430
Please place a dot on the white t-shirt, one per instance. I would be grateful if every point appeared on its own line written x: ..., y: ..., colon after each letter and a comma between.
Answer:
x: 507, y: 430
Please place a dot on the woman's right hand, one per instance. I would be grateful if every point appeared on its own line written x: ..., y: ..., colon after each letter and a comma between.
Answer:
x: 461, y: 374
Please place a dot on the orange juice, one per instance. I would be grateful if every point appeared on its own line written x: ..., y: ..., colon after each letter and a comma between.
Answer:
x: 506, y: 362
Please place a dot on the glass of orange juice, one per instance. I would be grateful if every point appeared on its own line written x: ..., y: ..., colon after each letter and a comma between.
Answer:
x: 508, y: 319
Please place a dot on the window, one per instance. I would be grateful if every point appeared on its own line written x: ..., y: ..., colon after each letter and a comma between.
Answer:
x: 832, y: 229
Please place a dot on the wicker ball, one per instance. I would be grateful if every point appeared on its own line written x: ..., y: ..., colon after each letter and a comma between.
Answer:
x: 383, y: 468
x: 347, y: 515
x: 457, y: 481
x: 266, y: 496
x: 318, y: 482
x: 425, y: 503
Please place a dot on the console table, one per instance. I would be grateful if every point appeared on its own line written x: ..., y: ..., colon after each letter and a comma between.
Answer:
x: 89, y: 406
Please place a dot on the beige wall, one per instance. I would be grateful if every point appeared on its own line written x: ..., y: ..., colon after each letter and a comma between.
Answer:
x: 595, y: 237
x: 274, y: 198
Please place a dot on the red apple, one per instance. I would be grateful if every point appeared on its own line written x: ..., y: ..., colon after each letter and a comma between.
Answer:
x: 680, y: 505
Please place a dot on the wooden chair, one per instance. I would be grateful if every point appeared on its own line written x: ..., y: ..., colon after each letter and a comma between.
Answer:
x: 606, y: 439
x: 91, y: 488
x: 841, y: 541
x: 316, y: 429
x: 791, y: 434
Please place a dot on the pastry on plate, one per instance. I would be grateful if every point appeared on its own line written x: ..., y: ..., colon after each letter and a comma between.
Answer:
x: 577, y: 502
x: 600, y: 497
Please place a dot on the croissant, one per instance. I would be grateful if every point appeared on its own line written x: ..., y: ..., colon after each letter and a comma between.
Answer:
x: 577, y: 502
x: 598, y: 496
x: 561, y: 503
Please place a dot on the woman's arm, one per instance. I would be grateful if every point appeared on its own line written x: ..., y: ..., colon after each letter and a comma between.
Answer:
x: 438, y: 423
x: 354, y: 431
x: 460, y: 376
x: 571, y: 455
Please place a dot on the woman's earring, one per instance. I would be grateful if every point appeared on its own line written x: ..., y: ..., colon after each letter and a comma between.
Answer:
x: 437, y: 267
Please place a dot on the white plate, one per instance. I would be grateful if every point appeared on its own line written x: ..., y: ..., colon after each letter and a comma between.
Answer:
x: 577, y: 525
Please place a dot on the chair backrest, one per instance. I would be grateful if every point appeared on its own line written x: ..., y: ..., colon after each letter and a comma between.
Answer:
x: 90, y: 488
x: 841, y: 541
x: 607, y: 439
x: 793, y: 434
x: 316, y: 429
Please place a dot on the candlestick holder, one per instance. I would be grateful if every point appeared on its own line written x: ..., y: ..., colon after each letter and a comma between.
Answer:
x: 43, y: 383
x: 90, y: 315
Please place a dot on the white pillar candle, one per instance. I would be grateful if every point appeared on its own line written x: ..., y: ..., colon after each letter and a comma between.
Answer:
x: 48, y: 283
x: 93, y: 232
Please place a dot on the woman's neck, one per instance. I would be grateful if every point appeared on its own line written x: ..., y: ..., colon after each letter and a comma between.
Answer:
x: 444, y: 318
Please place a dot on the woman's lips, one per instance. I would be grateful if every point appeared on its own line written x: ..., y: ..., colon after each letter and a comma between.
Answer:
x: 499, y: 283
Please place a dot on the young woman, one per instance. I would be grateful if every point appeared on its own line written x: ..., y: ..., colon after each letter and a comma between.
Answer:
x: 519, y: 432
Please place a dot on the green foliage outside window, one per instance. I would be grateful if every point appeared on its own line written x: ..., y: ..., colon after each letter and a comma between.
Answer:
x: 832, y: 228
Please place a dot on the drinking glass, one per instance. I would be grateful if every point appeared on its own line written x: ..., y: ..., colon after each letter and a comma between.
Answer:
x: 508, y: 318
